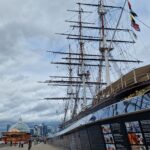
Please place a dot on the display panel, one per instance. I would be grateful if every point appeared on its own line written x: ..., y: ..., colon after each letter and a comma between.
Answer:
x: 145, y: 124
x: 127, y: 135
x: 147, y: 138
x: 118, y: 134
x: 136, y: 134
x: 114, y: 136
x: 121, y: 147
x: 126, y: 132
x: 133, y: 126
x: 137, y: 147
x: 106, y: 128
x: 109, y: 138
x: 110, y: 147
x: 136, y: 138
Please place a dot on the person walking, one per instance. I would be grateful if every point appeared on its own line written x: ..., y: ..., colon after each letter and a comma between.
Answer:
x: 22, y: 143
x: 11, y: 143
x: 29, y: 144
x: 19, y: 145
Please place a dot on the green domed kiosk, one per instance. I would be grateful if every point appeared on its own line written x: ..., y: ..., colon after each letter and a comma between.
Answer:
x: 17, y: 132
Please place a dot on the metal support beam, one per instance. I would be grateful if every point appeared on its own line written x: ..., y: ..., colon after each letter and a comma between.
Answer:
x: 111, y: 60
x: 63, y: 77
x: 78, y: 54
x: 99, y: 28
x: 71, y: 82
x: 97, y: 40
x: 79, y: 22
x: 65, y: 98
x: 76, y: 64
x: 97, y: 5
x: 80, y: 11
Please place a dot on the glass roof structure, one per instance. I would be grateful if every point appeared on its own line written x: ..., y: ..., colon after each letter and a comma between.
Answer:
x: 20, y: 126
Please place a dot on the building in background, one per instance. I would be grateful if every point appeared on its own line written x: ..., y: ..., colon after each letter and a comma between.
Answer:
x: 40, y: 130
x: 45, y: 130
x: 8, y: 126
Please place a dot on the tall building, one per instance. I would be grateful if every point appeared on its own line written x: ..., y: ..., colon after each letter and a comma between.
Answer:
x: 32, y: 131
x: 8, y: 126
x: 40, y: 130
x: 45, y: 130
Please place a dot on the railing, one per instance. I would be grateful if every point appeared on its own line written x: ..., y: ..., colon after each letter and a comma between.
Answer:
x: 120, y: 85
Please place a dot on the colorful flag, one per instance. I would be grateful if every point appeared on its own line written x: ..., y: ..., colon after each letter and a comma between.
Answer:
x: 133, y: 13
x: 136, y: 26
x: 132, y: 19
x: 129, y: 4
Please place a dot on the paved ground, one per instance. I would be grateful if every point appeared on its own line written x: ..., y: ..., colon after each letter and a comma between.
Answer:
x: 34, y: 147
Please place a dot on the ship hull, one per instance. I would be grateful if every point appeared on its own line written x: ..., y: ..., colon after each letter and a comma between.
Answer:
x: 125, y: 131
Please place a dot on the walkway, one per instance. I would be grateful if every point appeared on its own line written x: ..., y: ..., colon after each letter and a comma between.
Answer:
x: 34, y: 147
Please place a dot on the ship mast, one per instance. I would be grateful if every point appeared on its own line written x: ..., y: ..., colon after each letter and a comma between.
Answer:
x: 70, y: 88
x: 82, y: 73
x: 104, y: 48
x: 101, y: 13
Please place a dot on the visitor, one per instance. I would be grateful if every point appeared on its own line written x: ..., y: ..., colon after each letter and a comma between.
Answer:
x: 11, y: 143
x: 19, y: 143
x: 29, y: 144
x: 22, y: 144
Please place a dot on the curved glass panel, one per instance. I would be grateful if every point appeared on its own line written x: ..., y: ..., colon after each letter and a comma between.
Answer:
x: 123, y: 107
x: 20, y: 126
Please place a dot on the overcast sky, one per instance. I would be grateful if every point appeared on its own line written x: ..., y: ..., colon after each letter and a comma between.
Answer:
x: 27, y: 31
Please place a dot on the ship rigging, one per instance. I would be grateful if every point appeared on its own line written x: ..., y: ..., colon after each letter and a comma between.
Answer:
x: 95, y: 56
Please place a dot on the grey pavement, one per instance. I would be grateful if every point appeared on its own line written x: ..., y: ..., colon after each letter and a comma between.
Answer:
x: 34, y: 147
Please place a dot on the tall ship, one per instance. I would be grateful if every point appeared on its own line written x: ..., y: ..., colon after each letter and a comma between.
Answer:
x: 106, y: 95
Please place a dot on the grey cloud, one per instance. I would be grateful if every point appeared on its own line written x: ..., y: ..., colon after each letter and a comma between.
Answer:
x: 39, y: 108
